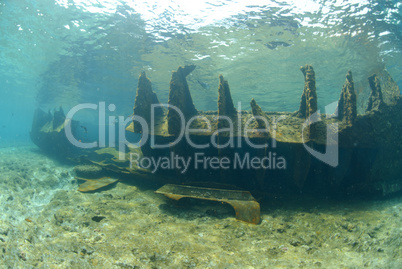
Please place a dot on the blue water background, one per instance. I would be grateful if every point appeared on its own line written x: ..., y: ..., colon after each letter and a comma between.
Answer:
x: 65, y: 53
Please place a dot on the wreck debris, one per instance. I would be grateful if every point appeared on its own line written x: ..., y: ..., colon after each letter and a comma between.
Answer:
x: 308, y: 103
x: 88, y: 171
x: 258, y: 114
x: 246, y: 207
x: 39, y: 120
x: 48, y: 132
x: 144, y: 99
x: 58, y: 118
x: 347, y: 108
x: 180, y: 97
x: 94, y: 184
x: 375, y: 100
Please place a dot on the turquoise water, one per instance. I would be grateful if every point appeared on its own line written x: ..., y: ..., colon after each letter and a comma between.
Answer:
x: 62, y: 53
x: 65, y: 53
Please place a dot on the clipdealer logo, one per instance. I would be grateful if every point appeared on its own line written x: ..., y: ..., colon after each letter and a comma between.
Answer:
x: 199, y: 161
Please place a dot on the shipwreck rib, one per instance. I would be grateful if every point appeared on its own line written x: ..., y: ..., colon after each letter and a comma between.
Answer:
x: 347, y: 110
x: 258, y: 114
x: 58, y: 118
x: 308, y: 103
x: 225, y: 103
x: 375, y: 100
x: 144, y: 100
x: 180, y: 97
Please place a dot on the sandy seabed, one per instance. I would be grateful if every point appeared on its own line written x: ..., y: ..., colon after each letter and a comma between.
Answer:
x: 46, y: 223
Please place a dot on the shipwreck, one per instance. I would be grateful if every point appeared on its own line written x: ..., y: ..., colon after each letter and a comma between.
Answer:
x: 231, y: 153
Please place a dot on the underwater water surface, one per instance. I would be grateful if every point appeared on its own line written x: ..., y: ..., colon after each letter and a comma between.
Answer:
x: 63, y: 53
